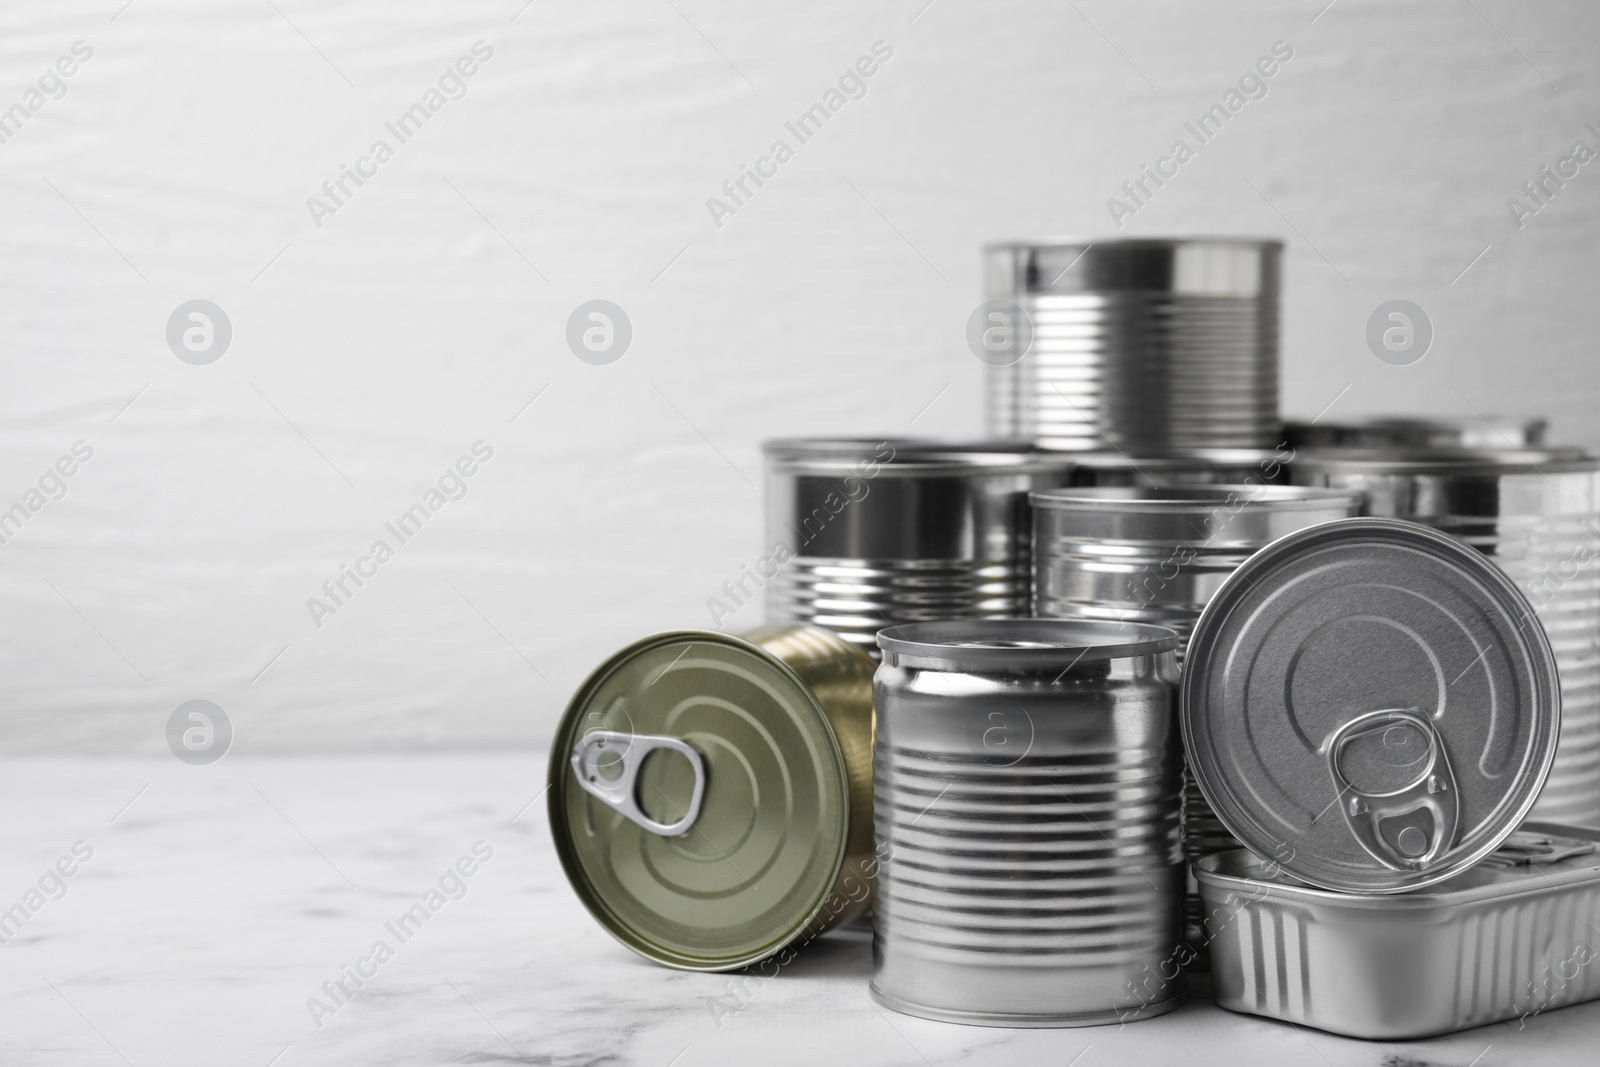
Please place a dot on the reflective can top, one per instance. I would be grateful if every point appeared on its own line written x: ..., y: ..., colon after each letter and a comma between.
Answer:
x: 1443, y: 461
x: 1371, y: 704
x: 1392, y: 431
x: 1201, y: 265
x: 909, y: 456
x: 699, y: 799
x: 983, y: 645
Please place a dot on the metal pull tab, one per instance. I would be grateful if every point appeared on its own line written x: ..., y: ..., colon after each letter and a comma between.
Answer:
x: 630, y: 751
x: 1434, y: 792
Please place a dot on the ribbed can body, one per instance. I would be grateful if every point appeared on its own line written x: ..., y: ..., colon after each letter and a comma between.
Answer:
x: 1030, y: 862
x: 1140, y: 344
x: 1156, y: 555
x: 1538, y: 518
x: 900, y: 532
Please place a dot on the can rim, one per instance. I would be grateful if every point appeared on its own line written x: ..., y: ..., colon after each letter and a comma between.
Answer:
x: 994, y: 644
x: 912, y: 455
x: 556, y: 808
x: 1179, y: 457
x: 1445, y: 461
x: 1177, y: 498
x: 1246, y: 577
x: 1419, y: 422
x: 1071, y: 241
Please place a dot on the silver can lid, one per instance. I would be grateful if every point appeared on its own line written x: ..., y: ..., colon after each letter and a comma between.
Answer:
x: 1371, y: 704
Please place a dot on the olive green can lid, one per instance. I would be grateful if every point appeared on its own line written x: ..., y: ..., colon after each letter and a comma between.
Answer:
x: 699, y: 800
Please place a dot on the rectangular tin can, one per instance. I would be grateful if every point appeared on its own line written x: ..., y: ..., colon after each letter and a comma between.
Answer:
x: 1513, y: 937
x: 1026, y: 795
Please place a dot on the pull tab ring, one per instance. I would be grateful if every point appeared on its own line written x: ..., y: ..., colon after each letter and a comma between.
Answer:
x: 618, y: 792
x: 1433, y: 792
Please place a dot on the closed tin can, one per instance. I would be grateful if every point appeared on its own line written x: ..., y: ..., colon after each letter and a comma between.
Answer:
x: 1026, y: 792
x: 1156, y: 555
x: 711, y: 794
x: 1370, y: 703
x: 872, y: 533
x: 1433, y: 432
x: 1536, y: 513
x: 1141, y: 344
x: 1513, y: 937
x: 1194, y: 466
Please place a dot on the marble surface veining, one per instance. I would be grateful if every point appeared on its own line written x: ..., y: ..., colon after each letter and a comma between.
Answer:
x: 218, y: 906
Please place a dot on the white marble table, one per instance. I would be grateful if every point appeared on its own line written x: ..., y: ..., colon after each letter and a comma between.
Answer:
x: 219, y: 901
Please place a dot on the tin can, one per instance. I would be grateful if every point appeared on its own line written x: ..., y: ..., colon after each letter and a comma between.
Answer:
x: 1474, y: 432
x: 1141, y: 344
x: 711, y: 794
x: 863, y: 534
x: 1156, y: 555
x: 1194, y: 466
x: 1371, y: 703
x: 1536, y: 513
x: 1027, y: 797
x: 1511, y: 938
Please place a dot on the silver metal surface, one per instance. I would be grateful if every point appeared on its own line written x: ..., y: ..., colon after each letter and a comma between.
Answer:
x: 1140, y: 344
x: 1026, y: 796
x: 1194, y: 466
x: 1156, y: 555
x: 884, y: 532
x: 598, y: 753
x: 1536, y: 513
x: 1458, y: 432
x: 1515, y: 936
x: 1330, y: 624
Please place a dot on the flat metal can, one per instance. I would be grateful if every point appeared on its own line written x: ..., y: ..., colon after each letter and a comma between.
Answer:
x: 1371, y: 704
x: 1513, y: 937
x: 711, y: 794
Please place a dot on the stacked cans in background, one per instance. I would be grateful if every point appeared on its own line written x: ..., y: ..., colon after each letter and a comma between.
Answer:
x: 1141, y: 625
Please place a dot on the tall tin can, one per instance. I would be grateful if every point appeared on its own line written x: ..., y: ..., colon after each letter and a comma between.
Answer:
x: 1155, y: 555
x: 863, y: 534
x: 1536, y: 513
x: 1026, y: 797
x: 1140, y: 344
x: 710, y: 794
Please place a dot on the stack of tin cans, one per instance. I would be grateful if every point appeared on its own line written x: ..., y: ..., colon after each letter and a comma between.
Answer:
x: 1147, y: 682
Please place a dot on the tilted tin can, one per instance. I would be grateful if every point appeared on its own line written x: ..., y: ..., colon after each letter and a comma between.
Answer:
x: 1156, y: 555
x: 1139, y: 344
x: 1536, y: 513
x: 1193, y: 466
x: 1026, y: 793
x: 711, y: 794
x: 1513, y: 937
x: 1371, y: 704
x: 1474, y: 432
x: 872, y: 533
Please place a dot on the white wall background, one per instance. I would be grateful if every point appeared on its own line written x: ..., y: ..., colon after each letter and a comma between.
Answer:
x: 371, y: 352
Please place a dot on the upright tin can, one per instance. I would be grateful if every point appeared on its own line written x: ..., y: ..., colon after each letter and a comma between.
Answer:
x: 711, y: 794
x: 1475, y: 432
x: 1193, y: 466
x: 1156, y: 555
x: 868, y: 533
x: 1536, y: 513
x: 1141, y: 344
x: 1026, y: 795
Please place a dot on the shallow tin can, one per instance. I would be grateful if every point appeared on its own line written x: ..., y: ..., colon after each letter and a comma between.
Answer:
x: 1156, y: 555
x: 1513, y: 937
x: 710, y: 795
x: 1371, y: 703
x: 1536, y: 513
x: 1026, y: 792
x: 1473, y: 432
x: 868, y: 533
x: 1142, y: 344
x: 1192, y: 466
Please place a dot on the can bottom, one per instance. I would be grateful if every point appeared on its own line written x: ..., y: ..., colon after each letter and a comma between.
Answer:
x: 1031, y: 1021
